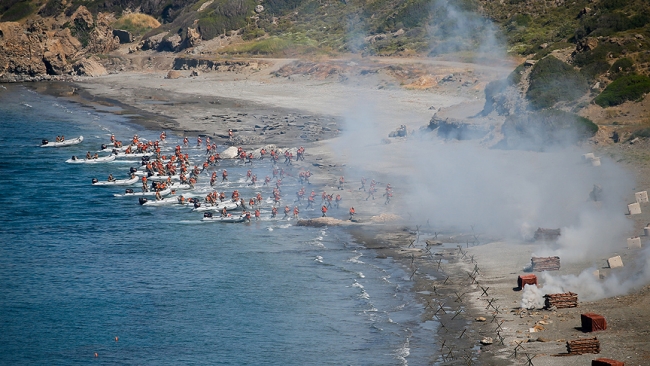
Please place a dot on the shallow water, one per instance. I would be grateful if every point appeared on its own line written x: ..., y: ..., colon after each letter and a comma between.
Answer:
x: 79, y: 267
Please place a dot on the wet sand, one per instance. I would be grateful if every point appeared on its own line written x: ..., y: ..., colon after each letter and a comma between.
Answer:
x: 314, y: 113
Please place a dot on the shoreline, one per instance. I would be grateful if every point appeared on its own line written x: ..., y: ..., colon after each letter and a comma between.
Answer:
x: 460, y: 330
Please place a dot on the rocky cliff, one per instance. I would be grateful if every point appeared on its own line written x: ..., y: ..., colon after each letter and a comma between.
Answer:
x: 52, y: 48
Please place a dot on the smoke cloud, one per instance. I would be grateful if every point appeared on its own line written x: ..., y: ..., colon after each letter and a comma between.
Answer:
x: 505, y: 193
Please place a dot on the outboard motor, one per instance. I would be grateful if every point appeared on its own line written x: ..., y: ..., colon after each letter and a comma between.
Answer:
x: 95, y: 180
x: 104, y: 146
x: 74, y: 157
x: 197, y: 204
x: 192, y: 200
x: 207, y: 214
x: 128, y: 190
x: 142, y: 200
x: 149, y: 174
x: 133, y: 169
x: 45, y: 142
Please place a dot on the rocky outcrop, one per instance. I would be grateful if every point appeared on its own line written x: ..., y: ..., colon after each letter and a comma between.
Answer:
x: 89, y: 67
x: 22, y: 50
x: 183, y: 63
x: 586, y: 44
x: 45, y: 46
x: 101, y: 38
x: 193, y: 38
x: 457, y: 129
x: 153, y: 42
x: 124, y: 36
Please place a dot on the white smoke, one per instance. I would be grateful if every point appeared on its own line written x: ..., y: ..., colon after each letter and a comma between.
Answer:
x: 506, y: 193
x: 590, y: 287
x: 532, y: 298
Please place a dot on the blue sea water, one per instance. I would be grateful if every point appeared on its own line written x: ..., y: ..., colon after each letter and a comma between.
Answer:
x: 83, y: 272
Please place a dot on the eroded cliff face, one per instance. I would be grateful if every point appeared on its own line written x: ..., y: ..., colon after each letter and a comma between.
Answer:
x: 51, y: 48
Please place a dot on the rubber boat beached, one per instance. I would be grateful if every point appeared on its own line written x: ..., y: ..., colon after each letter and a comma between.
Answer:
x: 133, y: 193
x: 229, y: 205
x: 210, y: 218
x: 74, y: 141
x: 117, y: 182
x: 102, y: 159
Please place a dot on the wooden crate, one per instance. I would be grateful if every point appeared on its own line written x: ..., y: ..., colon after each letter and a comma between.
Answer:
x: 529, y: 279
x: 592, y: 322
x: 606, y: 362
x: 582, y: 346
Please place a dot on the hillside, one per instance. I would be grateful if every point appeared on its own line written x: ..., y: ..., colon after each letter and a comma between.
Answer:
x: 583, y: 56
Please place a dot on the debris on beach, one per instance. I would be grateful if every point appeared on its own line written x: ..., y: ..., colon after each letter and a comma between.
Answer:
x: 634, y: 208
x: 582, y: 346
x: 615, y: 262
x: 540, y: 264
x: 634, y: 243
x: 561, y: 300
x: 487, y: 340
x: 547, y: 234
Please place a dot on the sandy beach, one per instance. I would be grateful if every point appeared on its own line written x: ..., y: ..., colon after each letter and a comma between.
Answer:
x: 344, y: 125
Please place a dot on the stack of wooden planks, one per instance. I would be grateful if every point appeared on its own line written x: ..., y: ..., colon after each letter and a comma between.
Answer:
x: 561, y: 300
x: 582, y: 346
x: 539, y: 264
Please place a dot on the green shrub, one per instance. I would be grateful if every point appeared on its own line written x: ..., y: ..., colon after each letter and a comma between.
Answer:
x: 225, y: 15
x: 607, y: 23
x: 552, y: 81
x: 541, y: 53
x: 622, y: 66
x: 629, y: 87
x: 643, y: 133
x: 594, y: 69
x: 515, y: 75
x: 17, y: 11
x: 600, y: 53
x: 269, y: 46
x: 7, y: 4
x: 546, y: 128
x: 252, y: 33
x: 281, y: 6
x: 522, y: 20
x: 52, y: 8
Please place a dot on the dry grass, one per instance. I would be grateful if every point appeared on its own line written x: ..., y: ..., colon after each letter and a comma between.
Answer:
x: 136, y: 23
